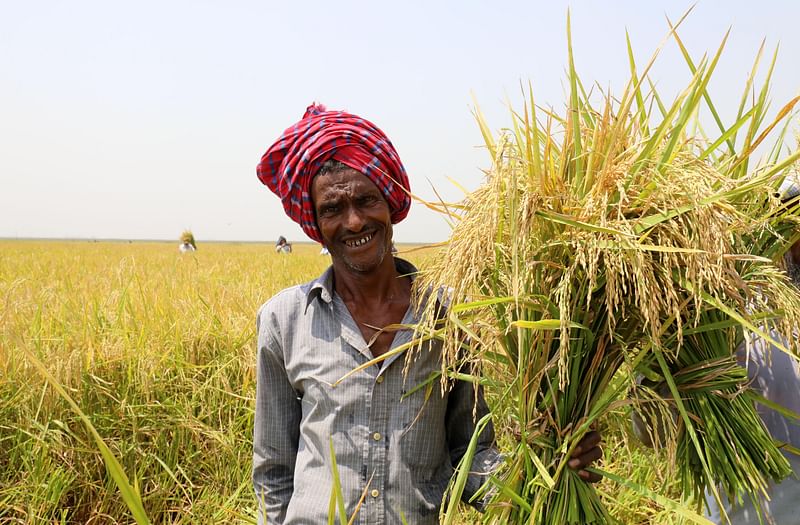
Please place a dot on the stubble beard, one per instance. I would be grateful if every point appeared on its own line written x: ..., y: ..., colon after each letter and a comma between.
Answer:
x: 366, y: 267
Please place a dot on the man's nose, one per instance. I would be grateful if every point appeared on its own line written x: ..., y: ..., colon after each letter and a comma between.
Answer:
x: 354, y: 221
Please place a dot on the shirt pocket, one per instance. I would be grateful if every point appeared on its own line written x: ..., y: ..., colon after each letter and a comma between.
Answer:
x: 327, y: 416
x: 423, y: 440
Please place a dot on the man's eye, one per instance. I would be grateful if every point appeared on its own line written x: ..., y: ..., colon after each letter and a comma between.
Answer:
x: 330, y: 209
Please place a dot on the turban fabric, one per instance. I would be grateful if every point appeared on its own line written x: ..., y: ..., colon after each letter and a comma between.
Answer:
x: 290, y: 164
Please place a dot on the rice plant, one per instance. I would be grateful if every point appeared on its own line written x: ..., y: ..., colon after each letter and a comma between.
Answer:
x: 126, y: 378
x: 614, y: 240
x: 123, y: 360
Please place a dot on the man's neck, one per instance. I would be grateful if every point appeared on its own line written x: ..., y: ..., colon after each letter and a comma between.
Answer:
x: 375, y: 287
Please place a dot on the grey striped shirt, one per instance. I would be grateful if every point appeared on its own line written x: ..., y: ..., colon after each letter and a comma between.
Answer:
x: 394, y: 445
x: 776, y: 376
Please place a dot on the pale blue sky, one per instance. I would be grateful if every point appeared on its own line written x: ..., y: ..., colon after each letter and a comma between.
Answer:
x: 140, y: 119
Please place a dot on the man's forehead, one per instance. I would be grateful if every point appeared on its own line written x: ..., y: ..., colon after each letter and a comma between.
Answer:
x: 342, y: 181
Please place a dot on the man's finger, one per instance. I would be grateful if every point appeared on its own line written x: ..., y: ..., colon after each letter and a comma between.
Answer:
x: 584, y: 460
x: 590, y: 440
x: 589, y: 477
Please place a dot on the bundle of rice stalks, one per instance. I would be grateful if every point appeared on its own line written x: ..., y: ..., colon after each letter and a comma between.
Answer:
x: 619, y: 239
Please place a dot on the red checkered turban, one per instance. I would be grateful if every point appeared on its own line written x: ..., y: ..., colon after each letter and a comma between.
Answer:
x: 290, y: 164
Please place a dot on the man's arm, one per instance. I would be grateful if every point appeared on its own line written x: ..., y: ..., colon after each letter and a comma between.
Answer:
x: 464, y: 411
x: 276, y: 432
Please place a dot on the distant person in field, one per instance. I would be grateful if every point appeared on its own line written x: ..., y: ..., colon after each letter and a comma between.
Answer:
x: 187, y: 244
x: 283, y: 246
x: 341, y: 179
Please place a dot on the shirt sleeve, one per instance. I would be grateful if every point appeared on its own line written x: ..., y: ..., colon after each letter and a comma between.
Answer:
x: 276, y: 429
x: 464, y: 410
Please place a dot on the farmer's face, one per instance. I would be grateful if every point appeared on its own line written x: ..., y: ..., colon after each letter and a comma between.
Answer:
x: 353, y: 217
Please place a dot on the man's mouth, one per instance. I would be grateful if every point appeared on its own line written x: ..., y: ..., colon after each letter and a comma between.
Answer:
x: 355, y: 243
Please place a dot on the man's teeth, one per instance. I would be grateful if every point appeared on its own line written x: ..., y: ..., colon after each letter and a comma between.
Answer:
x: 359, y: 242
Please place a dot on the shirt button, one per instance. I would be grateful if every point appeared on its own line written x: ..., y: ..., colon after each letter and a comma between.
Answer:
x: 375, y: 493
x: 376, y: 436
x: 379, y: 380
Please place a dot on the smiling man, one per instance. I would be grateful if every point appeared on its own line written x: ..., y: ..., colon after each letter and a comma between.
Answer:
x: 395, y: 445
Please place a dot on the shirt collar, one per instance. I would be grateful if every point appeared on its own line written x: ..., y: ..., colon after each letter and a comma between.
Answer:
x: 322, y: 286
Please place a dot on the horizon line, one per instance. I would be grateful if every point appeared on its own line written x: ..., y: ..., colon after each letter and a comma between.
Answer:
x: 134, y: 239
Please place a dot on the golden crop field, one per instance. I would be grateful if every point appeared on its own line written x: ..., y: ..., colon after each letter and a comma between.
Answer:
x: 157, y: 350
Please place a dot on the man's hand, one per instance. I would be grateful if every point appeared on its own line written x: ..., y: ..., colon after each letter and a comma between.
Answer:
x: 587, y: 452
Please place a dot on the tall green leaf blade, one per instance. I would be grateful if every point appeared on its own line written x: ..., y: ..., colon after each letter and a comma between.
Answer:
x: 114, y: 468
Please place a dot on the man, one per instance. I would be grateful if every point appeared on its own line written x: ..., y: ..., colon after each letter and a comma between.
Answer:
x: 395, y: 441
x: 777, y: 377
x: 283, y: 246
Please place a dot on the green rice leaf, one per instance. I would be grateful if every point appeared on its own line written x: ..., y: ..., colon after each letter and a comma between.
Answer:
x: 666, y: 503
x: 546, y: 324
x: 129, y: 494
x: 463, y: 470
x: 569, y: 221
x: 337, y: 499
x: 785, y: 412
x: 465, y: 307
